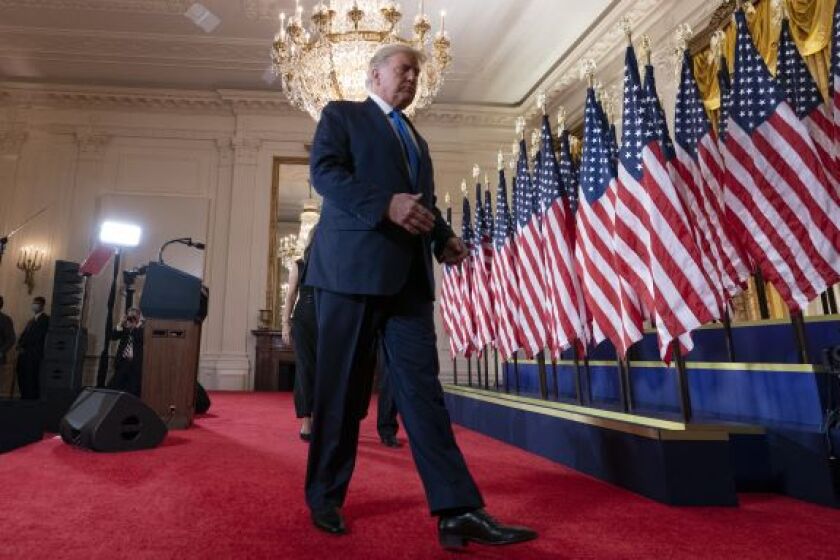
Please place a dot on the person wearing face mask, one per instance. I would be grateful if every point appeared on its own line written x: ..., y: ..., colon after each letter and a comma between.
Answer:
x: 30, y: 350
x: 128, y: 362
x: 7, y: 340
x: 371, y: 267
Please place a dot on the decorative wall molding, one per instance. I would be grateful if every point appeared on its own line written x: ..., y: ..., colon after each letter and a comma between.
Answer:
x: 246, y: 150
x: 224, y: 146
x: 227, y: 102
x: 219, y: 102
x: 142, y: 6
x: 91, y: 144
x: 261, y: 10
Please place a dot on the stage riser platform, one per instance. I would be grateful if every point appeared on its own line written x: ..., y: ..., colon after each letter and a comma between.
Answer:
x: 766, y: 394
x: 769, y: 341
x: 685, y: 473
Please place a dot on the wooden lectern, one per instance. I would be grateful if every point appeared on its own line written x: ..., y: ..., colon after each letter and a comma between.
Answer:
x: 175, y: 304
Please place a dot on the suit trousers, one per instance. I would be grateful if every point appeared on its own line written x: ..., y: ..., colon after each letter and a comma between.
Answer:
x: 349, y: 327
x: 28, y: 369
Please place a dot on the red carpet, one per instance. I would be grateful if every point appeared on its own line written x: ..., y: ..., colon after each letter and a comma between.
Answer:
x: 231, y: 487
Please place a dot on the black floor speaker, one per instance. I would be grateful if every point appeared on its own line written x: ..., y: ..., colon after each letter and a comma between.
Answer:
x: 105, y: 420
x: 21, y: 423
x: 202, y: 399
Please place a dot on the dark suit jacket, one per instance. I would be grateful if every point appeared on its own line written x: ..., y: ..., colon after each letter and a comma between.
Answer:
x: 7, y: 336
x: 31, y: 341
x: 122, y: 336
x: 357, y: 165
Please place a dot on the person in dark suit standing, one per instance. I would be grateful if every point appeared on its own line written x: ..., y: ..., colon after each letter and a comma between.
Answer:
x: 7, y: 341
x: 386, y: 408
x: 30, y: 349
x: 371, y: 267
x: 128, y: 362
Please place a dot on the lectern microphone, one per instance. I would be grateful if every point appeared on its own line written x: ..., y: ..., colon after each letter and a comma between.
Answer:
x: 188, y: 241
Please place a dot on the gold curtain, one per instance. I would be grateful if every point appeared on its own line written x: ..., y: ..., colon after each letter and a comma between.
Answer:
x: 810, y: 25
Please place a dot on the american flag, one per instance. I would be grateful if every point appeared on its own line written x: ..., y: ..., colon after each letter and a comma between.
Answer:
x: 564, y: 310
x: 630, y: 230
x: 529, y: 251
x: 802, y: 94
x: 699, y: 177
x: 681, y: 294
x: 504, y: 280
x: 776, y: 193
x: 466, y: 306
x: 569, y: 174
x: 835, y: 79
x: 595, y: 248
x: 482, y: 302
x: 450, y: 303
x: 489, y: 253
x: 725, y: 85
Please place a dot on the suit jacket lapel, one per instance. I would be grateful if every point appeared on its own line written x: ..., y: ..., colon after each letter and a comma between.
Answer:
x: 389, y: 137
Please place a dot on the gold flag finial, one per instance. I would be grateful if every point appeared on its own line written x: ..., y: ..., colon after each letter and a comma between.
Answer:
x: 646, y: 49
x: 587, y: 70
x: 448, y: 199
x: 476, y: 172
x: 626, y: 26
x: 561, y: 119
x: 541, y: 101
x: 683, y: 35
x: 520, y: 127
x: 464, y: 187
x: 500, y: 160
x: 718, y: 41
x: 486, y: 181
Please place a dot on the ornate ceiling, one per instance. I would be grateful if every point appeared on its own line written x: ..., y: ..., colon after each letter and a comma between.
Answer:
x: 502, y: 48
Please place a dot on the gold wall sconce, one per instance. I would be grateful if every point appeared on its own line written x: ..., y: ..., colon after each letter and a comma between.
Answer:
x: 30, y: 260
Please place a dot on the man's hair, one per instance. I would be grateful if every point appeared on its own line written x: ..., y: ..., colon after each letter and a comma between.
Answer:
x: 383, y: 53
x: 39, y: 299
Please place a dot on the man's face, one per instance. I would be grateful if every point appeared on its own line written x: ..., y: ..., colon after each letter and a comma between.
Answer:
x: 395, y: 81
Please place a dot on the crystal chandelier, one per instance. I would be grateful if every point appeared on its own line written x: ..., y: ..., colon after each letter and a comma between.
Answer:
x: 330, y: 60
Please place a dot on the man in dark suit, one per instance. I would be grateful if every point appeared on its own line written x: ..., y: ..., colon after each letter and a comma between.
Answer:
x: 7, y: 340
x: 371, y: 266
x: 30, y: 348
x: 128, y: 362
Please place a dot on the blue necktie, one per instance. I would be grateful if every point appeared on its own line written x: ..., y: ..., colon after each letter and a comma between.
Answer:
x: 409, y: 147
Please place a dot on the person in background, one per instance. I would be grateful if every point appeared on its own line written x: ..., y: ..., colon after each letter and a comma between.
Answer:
x: 128, y: 362
x: 301, y: 330
x: 386, y: 409
x: 30, y: 350
x: 7, y: 341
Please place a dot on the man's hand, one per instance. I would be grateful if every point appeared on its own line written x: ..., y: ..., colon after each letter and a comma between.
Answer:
x: 454, y: 252
x: 406, y: 211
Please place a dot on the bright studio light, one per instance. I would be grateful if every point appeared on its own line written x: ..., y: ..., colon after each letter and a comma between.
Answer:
x: 119, y: 234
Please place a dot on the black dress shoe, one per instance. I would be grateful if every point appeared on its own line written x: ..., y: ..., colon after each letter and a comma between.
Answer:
x: 456, y: 531
x: 329, y: 520
x: 391, y: 441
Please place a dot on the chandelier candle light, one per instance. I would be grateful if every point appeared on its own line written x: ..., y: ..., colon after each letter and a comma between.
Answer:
x: 329, y: 61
